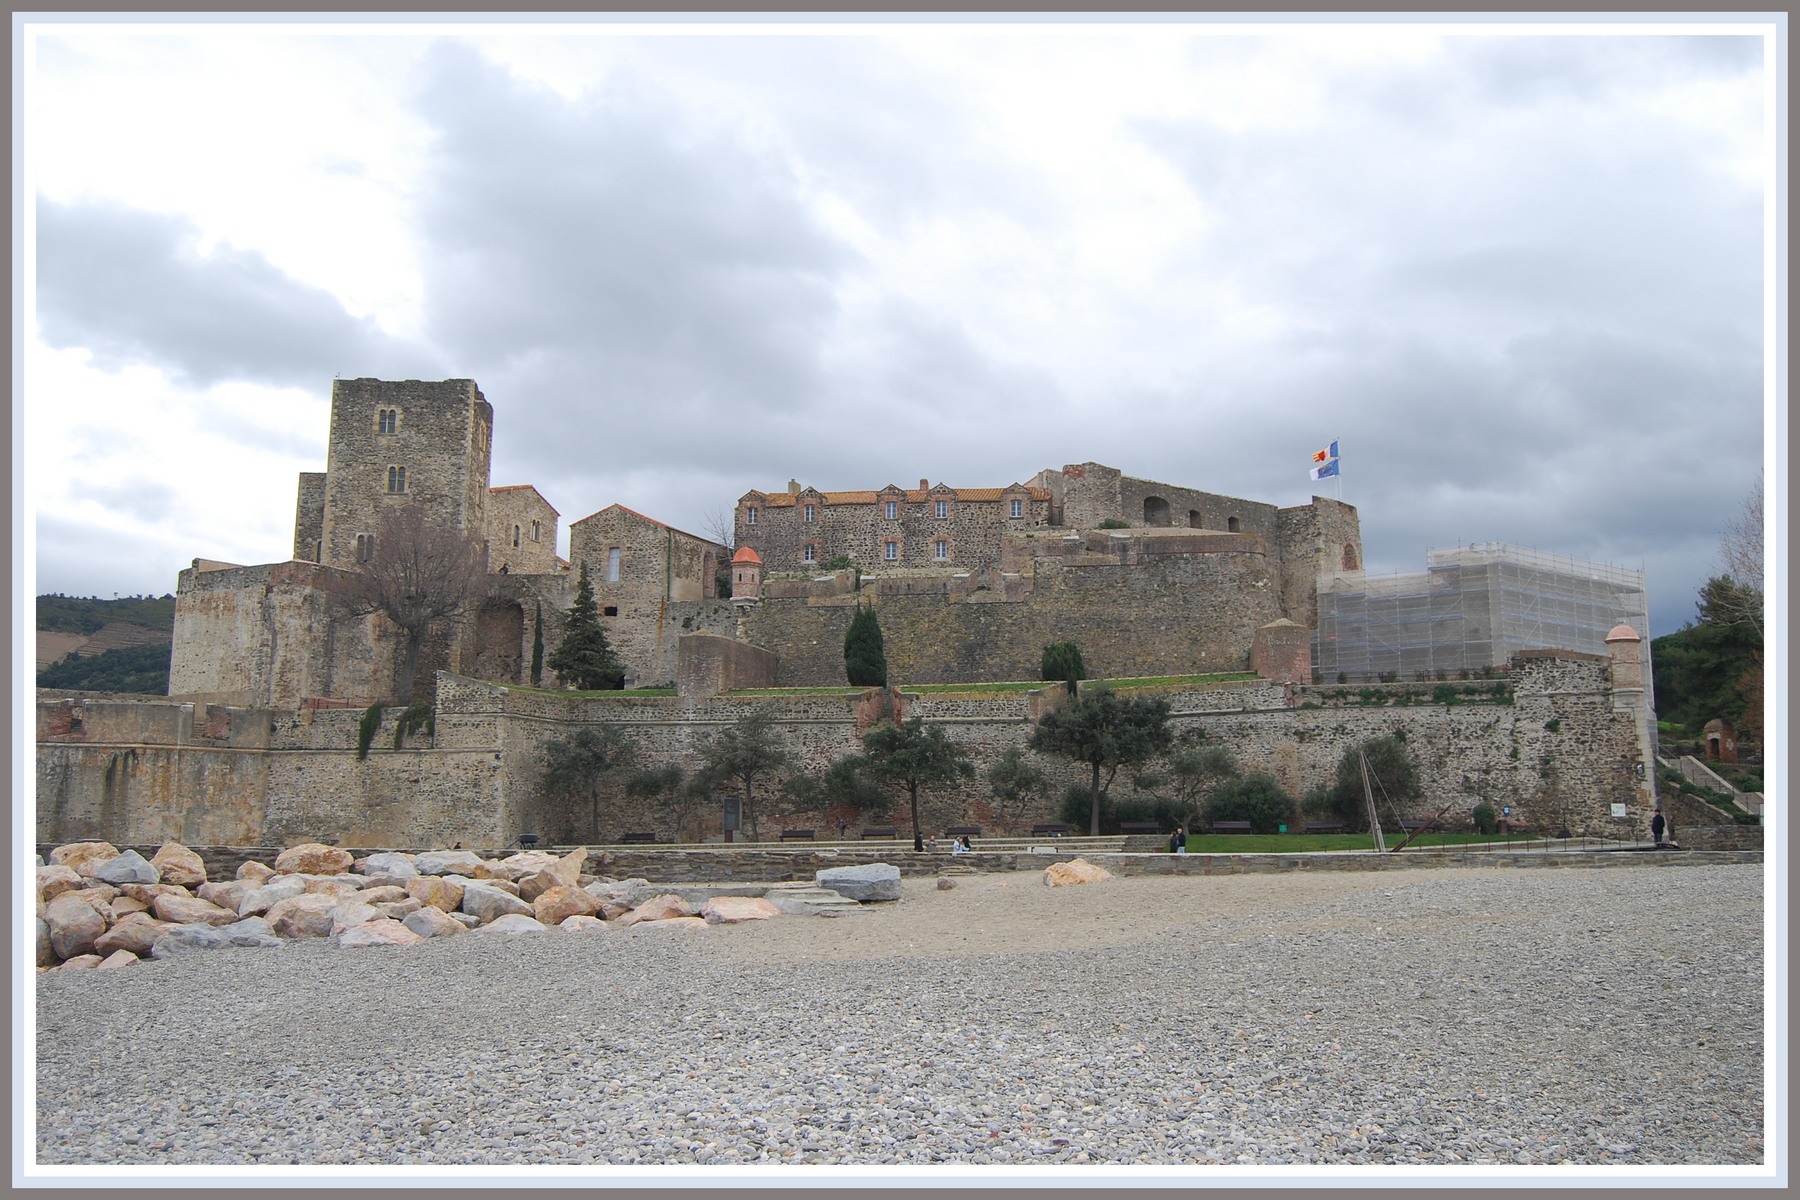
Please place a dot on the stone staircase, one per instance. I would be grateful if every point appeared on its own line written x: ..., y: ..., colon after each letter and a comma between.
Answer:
x: 810, y: 900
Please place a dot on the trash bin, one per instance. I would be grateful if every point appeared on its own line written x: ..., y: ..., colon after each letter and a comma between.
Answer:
x: 1505, y: 825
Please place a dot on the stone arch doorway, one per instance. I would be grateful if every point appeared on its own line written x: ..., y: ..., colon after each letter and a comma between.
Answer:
x: 499, y: 642
x: 1352, y: 562
x: 1156, y: 512
x: 1194, y: 519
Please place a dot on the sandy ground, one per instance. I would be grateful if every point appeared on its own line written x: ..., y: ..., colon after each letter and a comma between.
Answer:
x: 1017, y: 912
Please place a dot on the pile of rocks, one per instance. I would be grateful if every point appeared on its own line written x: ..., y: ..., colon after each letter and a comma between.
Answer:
x: 98, y: 908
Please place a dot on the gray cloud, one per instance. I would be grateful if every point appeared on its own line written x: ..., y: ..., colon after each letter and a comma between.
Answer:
x: 131, y: 287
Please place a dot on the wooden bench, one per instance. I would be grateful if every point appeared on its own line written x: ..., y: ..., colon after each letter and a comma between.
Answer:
x: 886, y: 832
x: 1140, y: 827
x: 1324, y: 827
x: 626, y: 839
x: 1231, y: 827
x: 1416, y: 826
x: 796, y: 835
x: 1052, y: 829
x: 963, y: 831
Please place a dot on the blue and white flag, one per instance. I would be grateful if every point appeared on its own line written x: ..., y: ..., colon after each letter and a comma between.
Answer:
x: 1330, y: 451
x: 1326, y: 471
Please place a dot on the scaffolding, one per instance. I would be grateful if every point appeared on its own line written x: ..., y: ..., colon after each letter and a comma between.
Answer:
x: 1472, y: 608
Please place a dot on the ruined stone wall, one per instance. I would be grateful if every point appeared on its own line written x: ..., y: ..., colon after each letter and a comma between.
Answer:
x: 973, y: 525
x: 1560, y: 755
x: 521, y: 532
x: 1321, y: 538
x: 1161, y: 615
x: 309, y: 516
x: 272, y: 635
x: 443, y: 435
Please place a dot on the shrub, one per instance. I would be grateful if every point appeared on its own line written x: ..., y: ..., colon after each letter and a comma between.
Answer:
x: 1062, y: 664
x: 365, y: 730
x: 1486, y: 819
x: 865, y: 662
x: 1114, y: 523
x: 1077, y: 809
x: 1257, y: 799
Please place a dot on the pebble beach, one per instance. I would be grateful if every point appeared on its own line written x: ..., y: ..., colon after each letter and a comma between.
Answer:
x: 1452, y: 1017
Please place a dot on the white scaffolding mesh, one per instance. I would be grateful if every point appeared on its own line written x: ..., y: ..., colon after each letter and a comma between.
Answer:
x: 1472, y: 607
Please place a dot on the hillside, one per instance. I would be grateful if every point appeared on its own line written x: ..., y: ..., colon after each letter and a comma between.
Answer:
x: 57, y: 613
x: 105, y: 645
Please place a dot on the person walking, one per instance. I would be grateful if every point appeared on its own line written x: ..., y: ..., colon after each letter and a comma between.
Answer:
x: 1178, y: 843
x: 1657, y: 825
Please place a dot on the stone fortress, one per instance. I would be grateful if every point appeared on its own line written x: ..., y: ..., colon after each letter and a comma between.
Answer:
x: 268, y: 675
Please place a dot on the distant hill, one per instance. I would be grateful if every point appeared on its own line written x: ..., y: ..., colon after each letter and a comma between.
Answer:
x: 90, y: 644
x: 88, y: 615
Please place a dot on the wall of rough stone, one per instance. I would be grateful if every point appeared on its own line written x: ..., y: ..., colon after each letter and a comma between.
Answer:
x: 309, y: 516
x: 443, y: 438
x: 856, y: 524
x: 1315, y: 539
x: 1162, y: 615
x: 709, y: 665
x: 521, y: 531
x: 269, y: 636
x: 1559, y: 754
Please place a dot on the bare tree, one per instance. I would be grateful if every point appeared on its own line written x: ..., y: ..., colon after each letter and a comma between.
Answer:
x: 718, y: 527
x: 1741, y: 550
x: 423, y: 576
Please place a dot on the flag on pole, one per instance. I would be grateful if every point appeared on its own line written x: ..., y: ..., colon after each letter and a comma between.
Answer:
x: 1320, y: 456
x: 1326, y: 471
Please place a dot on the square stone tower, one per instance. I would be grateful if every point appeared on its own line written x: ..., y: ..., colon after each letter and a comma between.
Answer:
x: 396, y: 443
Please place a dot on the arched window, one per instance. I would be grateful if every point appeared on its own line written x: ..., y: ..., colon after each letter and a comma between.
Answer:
x: 516, y: 533
x: 1156, y: 511
x: 1193, y: 518
x: 1232, y: 524
x: 1351, y: 563
x: 365, y: 547
x: 396, y: 480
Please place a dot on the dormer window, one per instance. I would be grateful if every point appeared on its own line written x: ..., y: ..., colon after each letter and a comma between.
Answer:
x: 1018, y: 508
x: 749, y: 516
x: 396, y: 480
x: 892, y: 509
x: 943, y: 509
x: 811, y: 511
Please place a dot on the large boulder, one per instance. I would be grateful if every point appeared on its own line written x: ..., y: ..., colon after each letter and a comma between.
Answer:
x: 46, y: 953
x: 302, y: 916
x: 117, y: 959
x: 580, y: 924
x: 128, y: 867
x: 255, y: 873
x: 379, y: 932
x: 1074, y: 872
x: 97, y: 896
x: 55, y: 879
x: 448, y: 862
x: 84, y: 857
x: 487, y: 903
x: 559, y: 872
x: 313, y: 858
x: 191, y: 910
x: 398, y: 909
x: 124, y: 906
x: 348, y: 914
x: 74, y: 925
x: 729, y: 910
x: 136, y: 932
x: 666, y: 907
x: 148, y: 892
x: 431, y: 922
x: 561, y: 902
x: 178, y: 864
x: 866, y: 882
x: 333, y: 885
x: 180, y: 939
x: 512, y: 923
x: 227, y: 893
x: 391, y: 865
x: 673, y: 923
x: 385, y: 893
x: 435, y: 892
x: 262, y: 899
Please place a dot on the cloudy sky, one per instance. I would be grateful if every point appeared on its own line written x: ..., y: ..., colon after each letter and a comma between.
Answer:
x: 1520, y: 278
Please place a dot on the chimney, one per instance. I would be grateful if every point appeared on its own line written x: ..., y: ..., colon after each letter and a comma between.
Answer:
x: 793, y: 487
x: 924, y: 485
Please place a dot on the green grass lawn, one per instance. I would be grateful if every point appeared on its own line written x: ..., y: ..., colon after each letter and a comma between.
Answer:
x: 1289, y: 843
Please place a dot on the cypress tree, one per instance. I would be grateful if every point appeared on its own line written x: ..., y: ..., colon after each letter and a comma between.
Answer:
x: 865, y: 663
x: 584, y: 658
x: 537, y: 645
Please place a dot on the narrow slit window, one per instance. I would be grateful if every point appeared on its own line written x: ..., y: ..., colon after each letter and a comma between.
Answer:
x: 612, y: 565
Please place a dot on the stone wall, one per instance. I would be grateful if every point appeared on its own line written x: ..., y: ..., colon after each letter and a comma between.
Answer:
x: 309, y: 516
x: 1559, y: 754
x: 521, y: 531
x: 1158, y: 615
x: 971, y: 527
x: 709, y: 665
x: 442, y: 437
